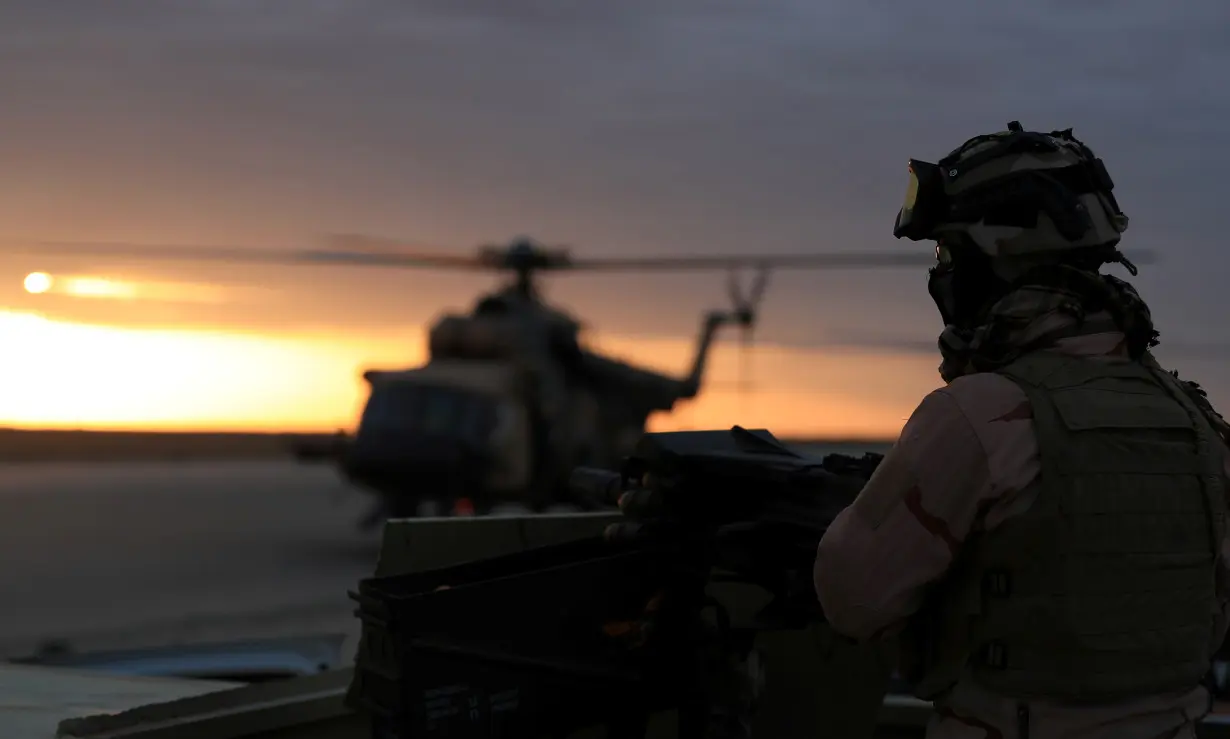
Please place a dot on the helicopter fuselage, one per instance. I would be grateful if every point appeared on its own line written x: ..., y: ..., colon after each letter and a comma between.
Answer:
x: 480, y: 434
x: 446, y: 429
x: 509, y: 403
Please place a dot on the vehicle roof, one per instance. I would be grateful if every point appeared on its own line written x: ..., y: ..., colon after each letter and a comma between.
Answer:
x: 34, y: 699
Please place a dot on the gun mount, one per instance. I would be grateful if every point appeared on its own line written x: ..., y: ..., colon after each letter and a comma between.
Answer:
x: 610, y: 631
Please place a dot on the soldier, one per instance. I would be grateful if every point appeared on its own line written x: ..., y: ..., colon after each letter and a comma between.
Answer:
x: 1048, y: 535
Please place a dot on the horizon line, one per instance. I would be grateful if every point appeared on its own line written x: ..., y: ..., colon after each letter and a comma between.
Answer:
x: 240, y: 433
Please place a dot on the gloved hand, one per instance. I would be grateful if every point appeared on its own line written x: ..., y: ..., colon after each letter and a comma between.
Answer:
x: 644, y: 509
x: 731, y: 678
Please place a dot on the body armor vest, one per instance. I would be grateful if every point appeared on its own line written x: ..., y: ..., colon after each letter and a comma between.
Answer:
x: 1104, y: 590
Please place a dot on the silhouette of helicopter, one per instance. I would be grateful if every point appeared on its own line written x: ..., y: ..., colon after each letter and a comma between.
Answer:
x: 510, y: 400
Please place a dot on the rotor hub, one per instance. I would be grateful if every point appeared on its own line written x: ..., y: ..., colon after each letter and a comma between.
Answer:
x: 524, y: 255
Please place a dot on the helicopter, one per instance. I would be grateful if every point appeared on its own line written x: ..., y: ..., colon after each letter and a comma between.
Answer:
x: 510, y: 399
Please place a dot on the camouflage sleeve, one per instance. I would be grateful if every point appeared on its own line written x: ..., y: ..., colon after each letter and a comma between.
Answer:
x: 900, y: 535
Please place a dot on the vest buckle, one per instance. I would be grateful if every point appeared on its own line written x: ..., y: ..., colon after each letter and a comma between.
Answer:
x: 994, y: 655
x: 997, y: 583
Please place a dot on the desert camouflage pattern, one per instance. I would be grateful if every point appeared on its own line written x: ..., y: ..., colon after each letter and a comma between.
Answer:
x: 960, y: 466
x: 1010, y: 241
x: 1029, y: 314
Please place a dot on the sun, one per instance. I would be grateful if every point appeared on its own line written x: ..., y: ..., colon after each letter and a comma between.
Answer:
x: 38, y: 282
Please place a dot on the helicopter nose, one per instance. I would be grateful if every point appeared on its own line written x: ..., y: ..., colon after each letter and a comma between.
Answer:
x: 413, y: 457
x: 392, y: 447
x: 409, y: 464
x: 422, y: 442
x: 405, y: 470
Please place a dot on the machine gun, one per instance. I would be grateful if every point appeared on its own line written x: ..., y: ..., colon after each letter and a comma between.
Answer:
x: 607, y: 631
x: 746, y: 504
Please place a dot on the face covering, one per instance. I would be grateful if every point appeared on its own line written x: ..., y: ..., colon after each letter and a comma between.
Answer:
x: 941, y: 287
x: 962, y: 286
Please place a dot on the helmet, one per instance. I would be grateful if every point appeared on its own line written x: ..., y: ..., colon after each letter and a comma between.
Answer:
x: 1015, y: 193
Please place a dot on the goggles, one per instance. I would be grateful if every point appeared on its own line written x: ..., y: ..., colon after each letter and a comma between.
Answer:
x: 926, y: 204
x: 1013, y: 200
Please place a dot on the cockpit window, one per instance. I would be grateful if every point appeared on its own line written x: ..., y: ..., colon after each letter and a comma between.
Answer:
x: 491, y: 305
x: 432, y: 411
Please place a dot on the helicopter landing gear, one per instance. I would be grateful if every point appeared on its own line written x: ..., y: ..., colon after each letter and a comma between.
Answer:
x: 376, y: 516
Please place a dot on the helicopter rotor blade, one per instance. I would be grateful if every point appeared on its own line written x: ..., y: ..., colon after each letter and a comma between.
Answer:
x: 490, y: 254
x: 371, y: 254
x: 366, y: 243
x: 745, y: 307
x: 734, y: 292
x: 367, y: 251
x: 192, y: 253
x: 745, y: 357
x: 821, y: 260
x: 759, y: 286
x: 826, y: 260
x: 746, y: 310
x: 1166, y: 350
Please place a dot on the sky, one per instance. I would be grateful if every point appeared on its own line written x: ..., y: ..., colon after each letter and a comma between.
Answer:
x: 629, y: 128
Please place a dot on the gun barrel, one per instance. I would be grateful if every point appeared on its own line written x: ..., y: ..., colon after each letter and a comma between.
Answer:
x: 597, y: 485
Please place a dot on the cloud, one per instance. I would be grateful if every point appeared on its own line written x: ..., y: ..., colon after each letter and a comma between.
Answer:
x: 631, y: 127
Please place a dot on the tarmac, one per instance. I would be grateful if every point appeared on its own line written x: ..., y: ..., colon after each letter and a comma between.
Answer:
x: 115, y: 554
x: 119, y: 555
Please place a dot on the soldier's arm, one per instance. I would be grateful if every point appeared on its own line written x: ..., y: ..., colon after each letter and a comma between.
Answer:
x: 879, y: 556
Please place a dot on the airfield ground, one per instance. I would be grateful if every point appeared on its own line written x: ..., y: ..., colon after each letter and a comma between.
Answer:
x: 123, y: 540
x: 50, y: 446
x: 114, y: 540
x: 21, y: 445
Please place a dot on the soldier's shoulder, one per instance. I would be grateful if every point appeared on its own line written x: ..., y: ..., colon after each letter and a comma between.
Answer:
x: 986, y: 396
x: 1200, y: 398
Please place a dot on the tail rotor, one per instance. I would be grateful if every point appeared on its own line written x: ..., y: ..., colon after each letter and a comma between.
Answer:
x: 745, y: 314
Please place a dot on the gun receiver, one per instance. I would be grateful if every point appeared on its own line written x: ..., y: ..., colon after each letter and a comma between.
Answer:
x: 756, y: 508
x: 607, y: 631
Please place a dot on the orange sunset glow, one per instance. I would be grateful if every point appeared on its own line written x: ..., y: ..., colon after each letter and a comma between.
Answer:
x: 61, y: 374
x: 106, y: 288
